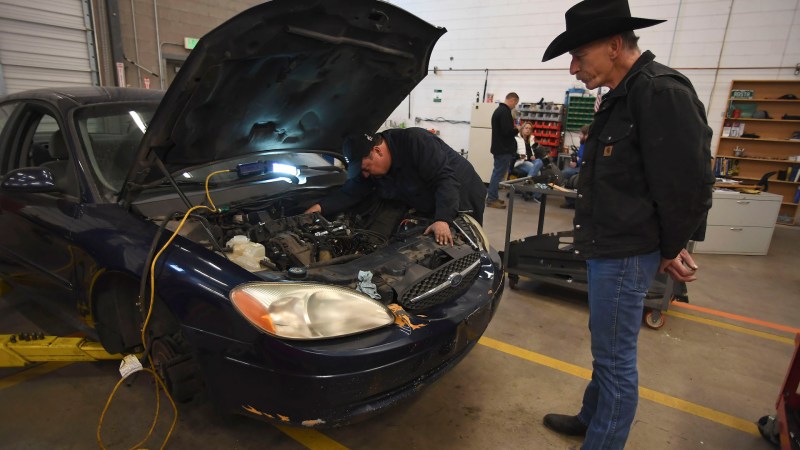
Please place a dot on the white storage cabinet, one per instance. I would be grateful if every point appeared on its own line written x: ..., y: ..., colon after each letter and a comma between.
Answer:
x: 740, y: 224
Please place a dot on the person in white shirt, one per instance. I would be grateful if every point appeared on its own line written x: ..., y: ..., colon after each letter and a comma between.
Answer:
x: 526, y: 160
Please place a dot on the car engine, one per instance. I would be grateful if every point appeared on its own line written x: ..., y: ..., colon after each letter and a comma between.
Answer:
x: 404, y: 266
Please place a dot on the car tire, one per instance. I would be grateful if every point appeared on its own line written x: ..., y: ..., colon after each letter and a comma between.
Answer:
x: 177, y: 367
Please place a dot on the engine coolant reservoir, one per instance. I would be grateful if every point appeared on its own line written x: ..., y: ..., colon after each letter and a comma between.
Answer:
x: 245, y: 253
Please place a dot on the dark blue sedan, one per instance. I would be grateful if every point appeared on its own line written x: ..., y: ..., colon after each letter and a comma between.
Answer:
x: 184, y: 213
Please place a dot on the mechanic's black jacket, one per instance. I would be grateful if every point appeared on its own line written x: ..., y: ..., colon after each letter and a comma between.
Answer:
x: 646, y: 179
x: 426, y: 174
x: 503, y: 131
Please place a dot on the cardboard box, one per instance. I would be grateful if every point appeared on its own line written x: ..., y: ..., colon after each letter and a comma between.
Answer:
x: 737, y: 129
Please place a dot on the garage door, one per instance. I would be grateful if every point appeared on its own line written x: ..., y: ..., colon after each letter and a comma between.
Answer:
x: 45, y: 43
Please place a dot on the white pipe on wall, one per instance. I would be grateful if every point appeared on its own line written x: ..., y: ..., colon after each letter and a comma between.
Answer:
x: 719, y: 59
x: 674, y: 33
x: 136, y: 43
x: 789, y: 35
x: 158, y: 47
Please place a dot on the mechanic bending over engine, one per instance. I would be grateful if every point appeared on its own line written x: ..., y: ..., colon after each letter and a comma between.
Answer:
x: 412, y: 166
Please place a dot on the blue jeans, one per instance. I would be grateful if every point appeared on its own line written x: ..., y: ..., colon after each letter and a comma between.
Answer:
x: 616, y: 300
x: 531, y: 168
x: 501, y: 165
x: 566, y: 174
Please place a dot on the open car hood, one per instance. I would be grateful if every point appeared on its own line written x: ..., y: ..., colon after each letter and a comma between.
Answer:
x: 287, y: 74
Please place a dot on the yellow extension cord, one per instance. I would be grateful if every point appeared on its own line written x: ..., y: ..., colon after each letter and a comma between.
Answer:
x: 159, y: 382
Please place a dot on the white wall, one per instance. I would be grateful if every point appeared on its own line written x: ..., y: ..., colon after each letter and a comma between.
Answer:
x: 711, y: 41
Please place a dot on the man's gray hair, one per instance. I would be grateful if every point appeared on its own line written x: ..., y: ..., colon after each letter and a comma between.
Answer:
x: 630, y: 40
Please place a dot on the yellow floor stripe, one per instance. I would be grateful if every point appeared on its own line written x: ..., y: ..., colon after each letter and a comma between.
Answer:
x: 311, y: 439
x: 748, y: 426
x: 33, y: 372
x: 727, y: 326
x: 739, y: 318
x: 649, y: 394
x: 538, y: 358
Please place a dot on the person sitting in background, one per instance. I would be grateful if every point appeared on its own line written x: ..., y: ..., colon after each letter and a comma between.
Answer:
x: 526, y: 162
x: 570, y: 173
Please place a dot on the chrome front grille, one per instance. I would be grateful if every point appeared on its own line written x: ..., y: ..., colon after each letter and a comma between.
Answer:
x: 447, y: 281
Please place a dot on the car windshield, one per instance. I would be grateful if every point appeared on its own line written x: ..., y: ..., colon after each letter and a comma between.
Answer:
x: 110, y: 134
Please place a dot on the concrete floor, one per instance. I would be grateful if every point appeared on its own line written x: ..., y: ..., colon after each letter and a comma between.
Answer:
x: 705, y: 378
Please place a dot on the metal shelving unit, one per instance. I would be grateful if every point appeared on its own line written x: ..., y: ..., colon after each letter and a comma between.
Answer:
x: 580, y: 111
x: 767, y: 148
x: 546, y: 119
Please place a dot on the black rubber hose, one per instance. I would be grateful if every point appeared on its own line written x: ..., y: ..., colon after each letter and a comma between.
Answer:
x: 338, y: 260
x: 207, y: 228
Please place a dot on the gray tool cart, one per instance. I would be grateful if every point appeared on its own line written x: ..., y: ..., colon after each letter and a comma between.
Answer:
x: 550, y: 258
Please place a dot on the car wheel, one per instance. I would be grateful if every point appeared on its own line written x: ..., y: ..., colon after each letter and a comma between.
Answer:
x: 116, y: 314
x: 177, y: 367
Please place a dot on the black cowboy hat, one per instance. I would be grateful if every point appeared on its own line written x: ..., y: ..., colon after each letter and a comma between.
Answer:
x: 590, y: 20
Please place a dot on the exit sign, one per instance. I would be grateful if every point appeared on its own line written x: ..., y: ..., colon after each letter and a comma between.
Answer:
x: 189, y: 43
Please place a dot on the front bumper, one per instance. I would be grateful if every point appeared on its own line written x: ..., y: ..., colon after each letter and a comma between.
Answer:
x: 333, y: 383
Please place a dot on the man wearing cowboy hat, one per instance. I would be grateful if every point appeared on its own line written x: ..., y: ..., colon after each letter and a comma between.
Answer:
x: 644, y: 190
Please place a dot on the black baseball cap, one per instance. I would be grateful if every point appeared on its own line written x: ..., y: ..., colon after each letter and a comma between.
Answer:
x: 355, y: 147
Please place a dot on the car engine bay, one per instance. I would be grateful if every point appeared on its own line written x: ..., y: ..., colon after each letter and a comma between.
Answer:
x: 403, y: 266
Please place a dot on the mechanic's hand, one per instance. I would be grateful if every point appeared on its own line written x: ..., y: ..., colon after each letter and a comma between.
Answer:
x: 313, y: 209
x: 681, y: 268
x: 441, y: 232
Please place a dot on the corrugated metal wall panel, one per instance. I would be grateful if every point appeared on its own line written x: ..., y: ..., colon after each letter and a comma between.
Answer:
x: 44, y: 44
x: 25, y: 60
x: 58, y: 13
x: 19, y: 28
x: 43, y: 79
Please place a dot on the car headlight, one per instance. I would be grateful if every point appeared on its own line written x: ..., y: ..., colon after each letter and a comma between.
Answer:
x: 484, y: 240
x: 308, y: 310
